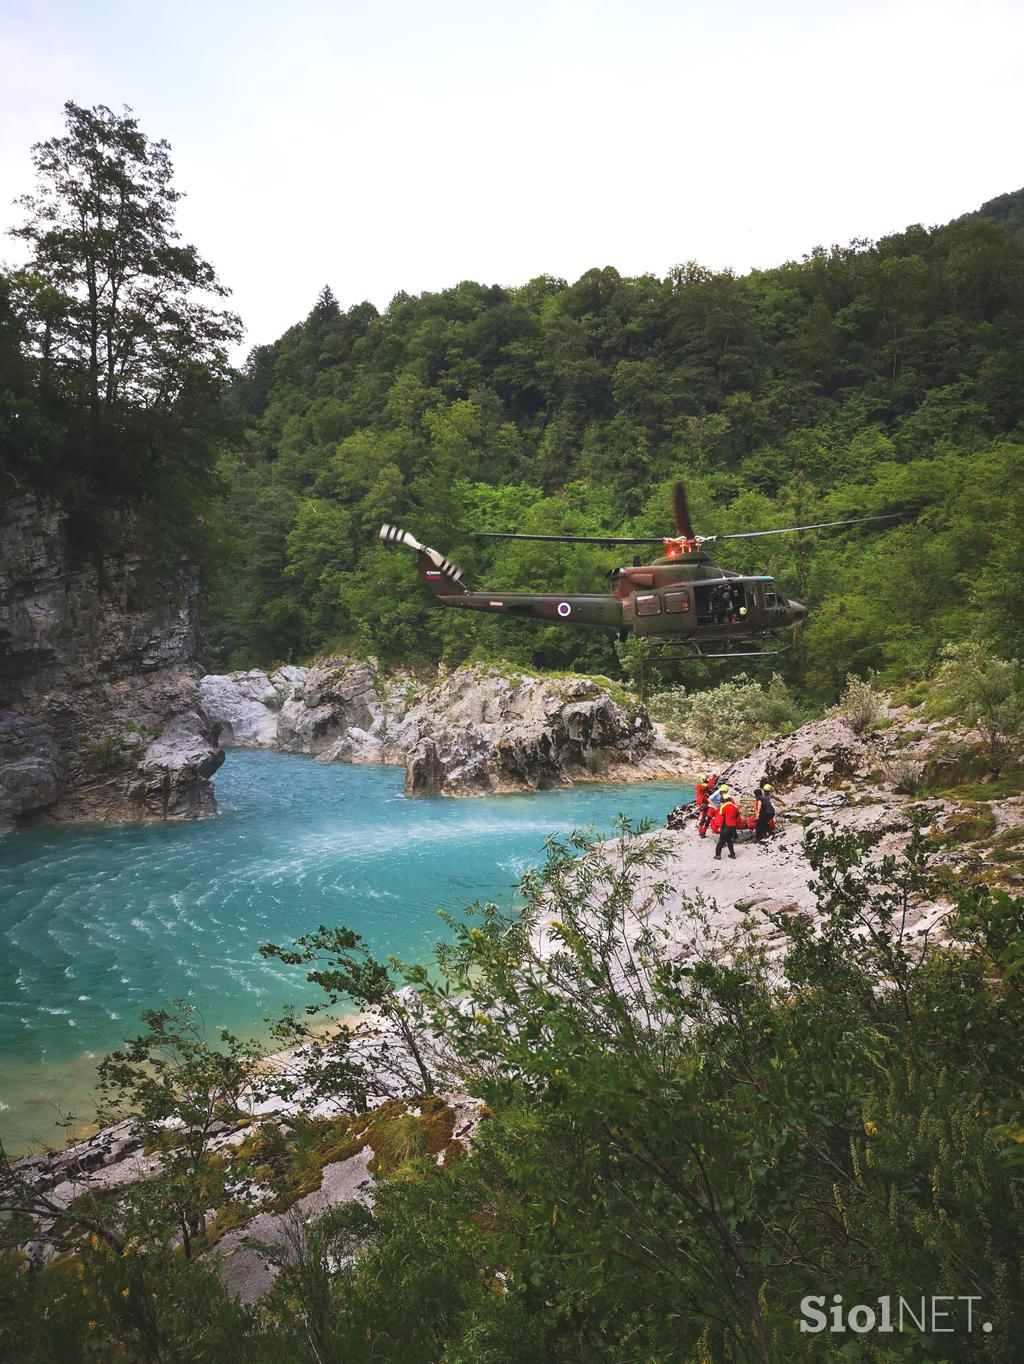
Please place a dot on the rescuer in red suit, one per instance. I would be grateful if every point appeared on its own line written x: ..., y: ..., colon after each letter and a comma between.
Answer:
x: 703, y: 796
x: 730, y: 812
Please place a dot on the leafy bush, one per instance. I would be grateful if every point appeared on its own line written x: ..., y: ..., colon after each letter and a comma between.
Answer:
x: 683, y: 1148
x: 107, y: 754
x: 969, y: 826
x: 860, y: 705
x: 731, y: 718
x: 984, y: 691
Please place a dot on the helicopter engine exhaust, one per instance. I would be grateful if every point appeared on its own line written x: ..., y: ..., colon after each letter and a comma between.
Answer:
x: 438, y: 572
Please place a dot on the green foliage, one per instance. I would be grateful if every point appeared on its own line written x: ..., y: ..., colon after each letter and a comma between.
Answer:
x: 1007, y: 211
x: 180, y: 1092
x: 107, y: 754
x: 969, y: 826
x: 331, y: 1063
x: 683, y: 1147
x: 875, y: 378
x: 144, y: 1306
x: 117, y: 366
x: 636, y: 656
x: 986, y: 692
x: 860, y: 705
x: 731, y: 718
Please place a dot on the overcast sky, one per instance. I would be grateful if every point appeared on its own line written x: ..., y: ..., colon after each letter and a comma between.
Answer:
x: 407, y: 145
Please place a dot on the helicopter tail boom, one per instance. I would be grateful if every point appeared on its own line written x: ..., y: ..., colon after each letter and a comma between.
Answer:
x: 579, y: 609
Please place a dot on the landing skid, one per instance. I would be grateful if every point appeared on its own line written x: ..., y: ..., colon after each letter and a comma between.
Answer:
x: 697, y: 652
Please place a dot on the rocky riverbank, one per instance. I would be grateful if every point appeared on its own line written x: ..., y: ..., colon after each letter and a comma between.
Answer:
x: 473, y: 731
x: 828, y: 776
x: 99, y: 711
x: 825, y: 775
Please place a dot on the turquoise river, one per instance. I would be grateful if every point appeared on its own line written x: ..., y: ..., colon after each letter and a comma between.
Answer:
x: 97, y: 924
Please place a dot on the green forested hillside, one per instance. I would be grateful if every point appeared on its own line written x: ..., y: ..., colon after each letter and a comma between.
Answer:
x: 869, y: 378
x: 1006, y: 211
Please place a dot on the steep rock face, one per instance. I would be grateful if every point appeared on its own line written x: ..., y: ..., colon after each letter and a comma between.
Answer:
x: 97, y: 681
x: 333, y: 698
x: 467, y: 733
x: 29, y: 765
x: 471, y: 733
x: 822, y: 756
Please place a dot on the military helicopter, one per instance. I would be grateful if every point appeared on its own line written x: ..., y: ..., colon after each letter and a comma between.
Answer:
x: 681, y: 598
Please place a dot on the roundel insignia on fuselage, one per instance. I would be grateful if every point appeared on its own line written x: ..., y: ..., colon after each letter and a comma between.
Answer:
x: 564, y: 609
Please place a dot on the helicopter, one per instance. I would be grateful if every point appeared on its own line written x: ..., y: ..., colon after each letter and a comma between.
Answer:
x: 682, y: 597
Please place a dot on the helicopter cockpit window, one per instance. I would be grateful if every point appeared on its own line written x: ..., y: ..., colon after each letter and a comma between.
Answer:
x: 648, y: 606
x: 676, y: 602
x: 773, y: 599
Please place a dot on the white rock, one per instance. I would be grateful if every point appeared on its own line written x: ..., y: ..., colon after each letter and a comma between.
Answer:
x: 245, y: 705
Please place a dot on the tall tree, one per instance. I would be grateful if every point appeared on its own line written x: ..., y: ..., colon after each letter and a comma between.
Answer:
x: 122, y: 328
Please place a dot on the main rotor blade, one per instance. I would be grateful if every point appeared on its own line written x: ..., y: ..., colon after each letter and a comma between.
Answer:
x: 684, y: 526
x: 817, y: 525
x: 573, y: 539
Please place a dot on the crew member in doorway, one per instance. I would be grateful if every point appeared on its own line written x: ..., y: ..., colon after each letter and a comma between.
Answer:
x: 720, y: 600
x: 730, y: 822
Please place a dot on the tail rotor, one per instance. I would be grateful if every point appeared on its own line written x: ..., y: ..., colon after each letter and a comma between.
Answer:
x: 434, y: 567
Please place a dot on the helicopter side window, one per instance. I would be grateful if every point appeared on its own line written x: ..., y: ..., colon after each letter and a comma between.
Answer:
x: 648, y: 606
x: 676, y: 602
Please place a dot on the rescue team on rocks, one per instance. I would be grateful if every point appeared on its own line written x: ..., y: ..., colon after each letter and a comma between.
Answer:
x: 718, y: 810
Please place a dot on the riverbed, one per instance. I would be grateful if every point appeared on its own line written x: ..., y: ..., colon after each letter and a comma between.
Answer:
x: 98, y: 924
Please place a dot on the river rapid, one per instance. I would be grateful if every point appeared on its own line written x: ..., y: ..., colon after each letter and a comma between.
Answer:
x: 97, y: 924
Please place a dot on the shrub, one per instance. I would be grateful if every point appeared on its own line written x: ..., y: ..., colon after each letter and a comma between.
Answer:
x: 969, y: 826
x: 682, y: 1148
x: 107, y: 753
x: 906, y: 774
x: 730, y: 718
x: 860, y: 706
x: 984, y: 691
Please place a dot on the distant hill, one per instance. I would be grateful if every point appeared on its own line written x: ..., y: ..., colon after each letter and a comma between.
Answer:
x: 1006, y: 211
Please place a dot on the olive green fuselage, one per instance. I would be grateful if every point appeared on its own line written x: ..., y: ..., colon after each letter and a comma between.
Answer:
x: 678, y: 596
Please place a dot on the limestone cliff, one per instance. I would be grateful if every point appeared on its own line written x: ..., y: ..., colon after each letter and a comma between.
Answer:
x: 469, y: 732
x: 99, y: 711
